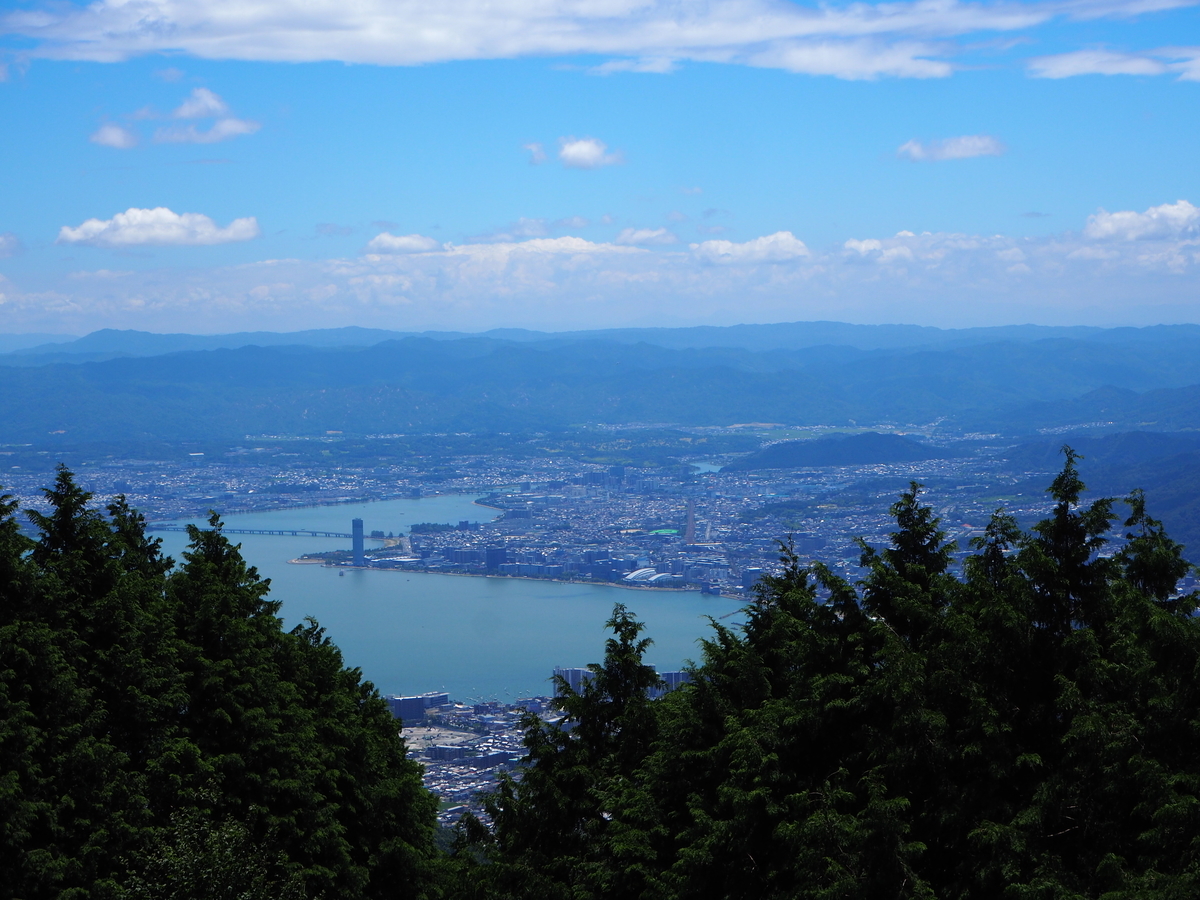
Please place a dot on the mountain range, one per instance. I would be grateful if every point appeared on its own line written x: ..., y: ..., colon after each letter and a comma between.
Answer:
x: 1020, y: 381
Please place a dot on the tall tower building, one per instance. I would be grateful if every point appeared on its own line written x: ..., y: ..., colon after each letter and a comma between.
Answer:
x: 689, y: 532
x: 356, y: 531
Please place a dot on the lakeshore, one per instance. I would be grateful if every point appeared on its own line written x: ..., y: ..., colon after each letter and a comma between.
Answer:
x: 301, y: 561
x: 493, y: 638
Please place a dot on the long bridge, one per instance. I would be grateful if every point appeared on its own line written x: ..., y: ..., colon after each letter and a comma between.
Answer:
x: 281, y: 532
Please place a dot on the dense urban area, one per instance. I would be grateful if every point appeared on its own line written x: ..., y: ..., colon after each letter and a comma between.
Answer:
x: 685, y: 524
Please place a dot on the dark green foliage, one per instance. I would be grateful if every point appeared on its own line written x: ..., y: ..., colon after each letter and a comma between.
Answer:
x: 1026, y: 727
x: 159, y: 727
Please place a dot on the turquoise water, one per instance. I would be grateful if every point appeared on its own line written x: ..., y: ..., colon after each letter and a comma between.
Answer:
x: 478, y: 638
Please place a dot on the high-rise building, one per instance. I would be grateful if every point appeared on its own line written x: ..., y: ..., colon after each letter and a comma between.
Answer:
x: 356, y: 532
x: 494, y: 558
x: 411, y: 710
x: 575, y: 678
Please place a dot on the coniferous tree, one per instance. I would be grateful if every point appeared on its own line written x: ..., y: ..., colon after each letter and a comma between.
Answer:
x: 156, y: 725
x: 1024, y: 727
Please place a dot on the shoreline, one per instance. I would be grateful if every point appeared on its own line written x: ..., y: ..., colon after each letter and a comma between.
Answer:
x: 625, y: 587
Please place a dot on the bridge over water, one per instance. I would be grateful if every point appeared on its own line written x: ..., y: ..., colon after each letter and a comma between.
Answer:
x: 280, y: 532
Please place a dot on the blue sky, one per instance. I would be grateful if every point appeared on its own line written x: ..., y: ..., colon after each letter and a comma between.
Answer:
x: 181, y: 166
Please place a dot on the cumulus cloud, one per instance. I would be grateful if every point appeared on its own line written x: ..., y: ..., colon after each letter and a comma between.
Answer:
x: 113, y: 135
x: 966, y: 146
x: 221, y: 130
x: 650, y: 237
x: 585, y: 153
x: 402, y: 243
x: 1170, y: 221
x: 778, y: 247
x: 10, y: 245
x: 569, y: 282
x: 159, y: 226
x: 570, y: 222
x: 202, y: 104
x: 898, y: 249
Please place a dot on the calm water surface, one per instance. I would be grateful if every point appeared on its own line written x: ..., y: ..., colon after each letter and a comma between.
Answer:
x: 474, y: 637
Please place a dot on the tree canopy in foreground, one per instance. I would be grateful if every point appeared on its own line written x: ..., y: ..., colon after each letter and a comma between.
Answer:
x: 1028, y: 727
x: 162, y: 735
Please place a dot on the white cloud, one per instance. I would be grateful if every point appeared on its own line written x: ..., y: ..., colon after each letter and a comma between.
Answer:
x: 169, y: 74
x: 585, y: 153
x: 1170, y: 221
x: 655, y: 65
x: 1187, y: 63
x: 892, y: 250
x: 1182, y: 61
x: 202, y: 104
x: 853, y: 60
x: 1094, y: 62
x: 113, y: 135
x: 221, y: 130
x: 3, y: 72
x: 537, y: 153
x: 159, y: 226
x: 862, y: 248
x: 403, y: 243
x: 651, y: 237
x: 904, y: 38
x: 10, y: 245
x: 540, y: 246
x: 966, y: 146
x: 570, y: 222
x: 568, y: 282
x: 778, y: 247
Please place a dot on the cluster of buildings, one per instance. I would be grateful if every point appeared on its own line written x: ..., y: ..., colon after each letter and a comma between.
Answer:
x: 710, y: 531
x: 465, y: 748
x: 548, y: 514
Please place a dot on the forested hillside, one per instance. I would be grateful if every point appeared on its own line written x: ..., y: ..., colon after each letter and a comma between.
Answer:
x: 472, y: 384
x: 161, y: 735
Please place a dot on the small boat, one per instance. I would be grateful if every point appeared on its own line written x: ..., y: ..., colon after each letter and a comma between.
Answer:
x: 341, y: 574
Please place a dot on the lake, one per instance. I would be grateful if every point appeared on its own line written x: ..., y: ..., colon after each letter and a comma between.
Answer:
x: 478, y: 638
